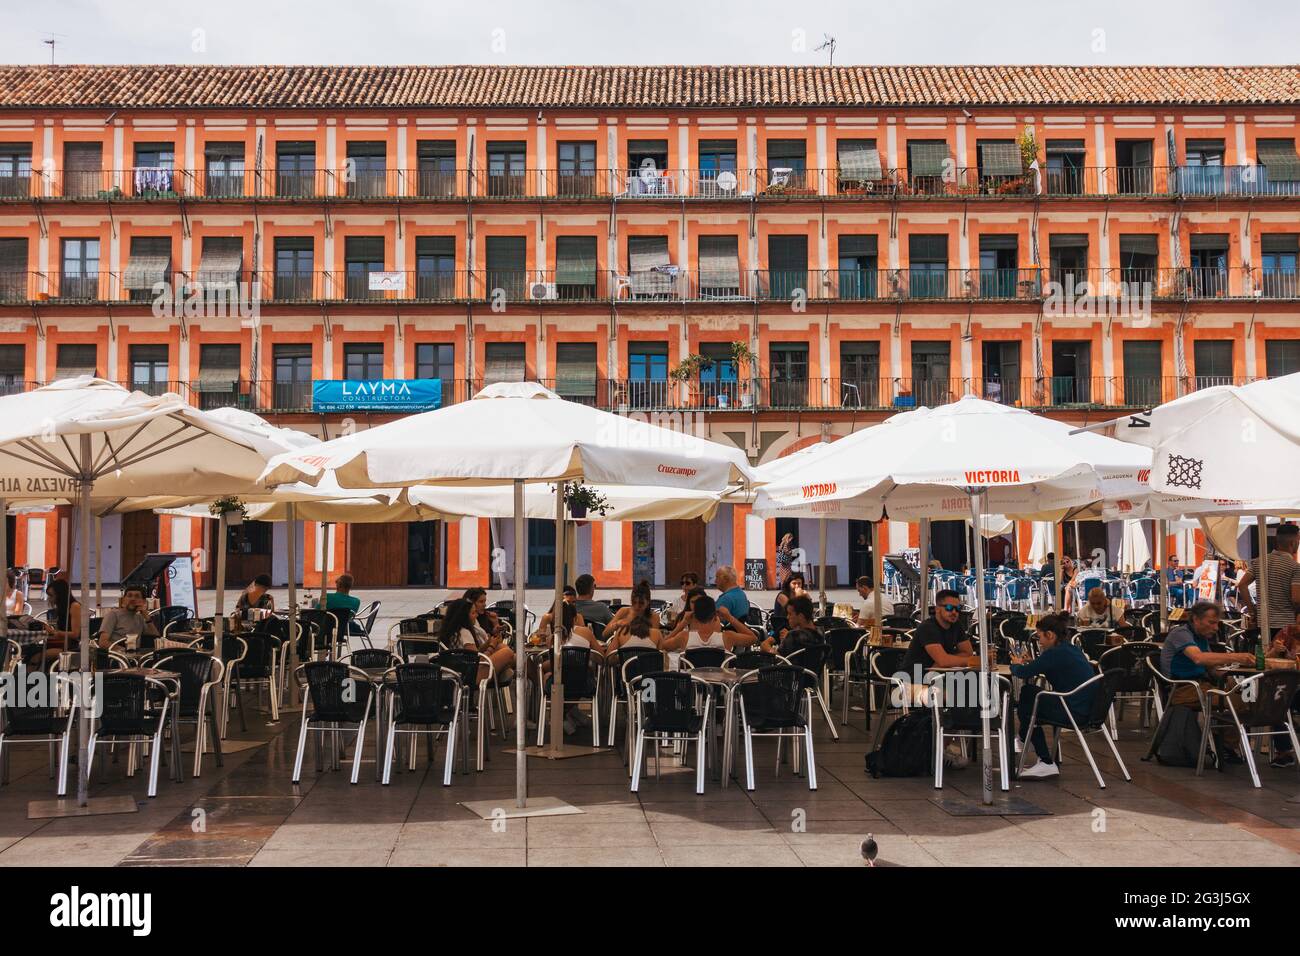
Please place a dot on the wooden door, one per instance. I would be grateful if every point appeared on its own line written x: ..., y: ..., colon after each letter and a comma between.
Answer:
x: 377, y: 554
x: 139, y: 537
x: 684, y: 549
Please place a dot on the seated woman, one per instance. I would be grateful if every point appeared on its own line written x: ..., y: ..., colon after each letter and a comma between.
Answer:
x: 257, y: 594
x: 793, y: 587
x: 65, y: 629
x: 706, y: 629
x: 460, y: 628
x: 683, y: 621
x: 800, y: 632
x: 634, y: 625
x: 1065, y: 668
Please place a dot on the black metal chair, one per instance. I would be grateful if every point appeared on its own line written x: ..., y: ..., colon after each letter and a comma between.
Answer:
x: 133, y: 710
x: 1266, y: 701
x: 776, y: 702
x: 671, y: 707
x: 1138, y: 684
x: 883, y: 667
x: 580, y: 686
x: 847, y: 664
x: 1104, y: 687
x: 426, y: 699
x: 339, y: 695
x: 813, y: 658
x: 630, y: 663
x: 173, y: 617
x: 260, y: 666
x: 48, y: 725
x: 956, y: 705
x: 476, y: 703
x: 318, y: 634
x: 372, y: 658
x: 704, y: 656
x: 410, y: 648
x: 234, y: 649
x: 200, y: 675
x: 422, y: 625
x: 363, y: 621
x: 1092, y: 640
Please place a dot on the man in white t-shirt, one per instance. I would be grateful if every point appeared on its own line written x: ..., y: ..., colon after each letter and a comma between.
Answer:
x: 867, y: 613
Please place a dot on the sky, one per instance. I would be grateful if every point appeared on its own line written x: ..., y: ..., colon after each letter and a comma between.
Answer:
x: 1101, y: 32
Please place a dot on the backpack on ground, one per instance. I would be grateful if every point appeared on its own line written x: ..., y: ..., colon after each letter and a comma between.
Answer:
x: 905, y: 749
x: 1177, y: 740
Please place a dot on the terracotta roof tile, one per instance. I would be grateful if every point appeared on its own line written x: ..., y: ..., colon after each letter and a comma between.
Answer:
x: 697, y: 87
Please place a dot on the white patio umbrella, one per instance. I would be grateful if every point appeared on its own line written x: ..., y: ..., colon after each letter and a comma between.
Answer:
x: 1229, y: 441
x: 85, y: 437
x: 966, y: 459
x: 626, y: 502
x: 1134, y: 552
x: 514, y: 434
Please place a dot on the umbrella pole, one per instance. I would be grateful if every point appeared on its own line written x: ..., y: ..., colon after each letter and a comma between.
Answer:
x: 924, y: 541
x: 4, y: 568
x: 821, y: 570
x: 291, y: 553
x: 988, y: 690
x: 83, y: 763
x: 1058, y: 539
x: 877, y: 579
x: 99, y: 561
x: 521, y: 719
x: 1162, y: 558
x: 1261, y: 528
x: 557, y: 619
x: 327, y: 532
x: 219, y: 601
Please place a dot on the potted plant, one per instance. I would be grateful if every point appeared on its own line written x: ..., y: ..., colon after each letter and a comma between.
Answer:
x: 231, y: 507
x: 583, y: 500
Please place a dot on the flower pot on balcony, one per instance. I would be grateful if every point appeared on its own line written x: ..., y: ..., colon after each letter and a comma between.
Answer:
x: 905, y: 401
x: 234, y: 519
x: 577, y: 511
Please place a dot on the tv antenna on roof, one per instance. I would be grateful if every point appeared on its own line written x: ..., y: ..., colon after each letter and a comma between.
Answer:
x: 50, y: 40
x: 827, y: 44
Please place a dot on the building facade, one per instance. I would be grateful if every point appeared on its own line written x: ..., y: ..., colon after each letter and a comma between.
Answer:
x: 768, y: 256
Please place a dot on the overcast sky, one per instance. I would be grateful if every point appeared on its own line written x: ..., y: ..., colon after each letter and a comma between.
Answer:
x: 651, y: 31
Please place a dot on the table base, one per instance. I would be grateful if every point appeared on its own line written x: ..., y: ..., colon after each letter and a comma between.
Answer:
x: 68, y: 807
x: 1000, y: 807
x: 562, y: 752
x: 505, y: 809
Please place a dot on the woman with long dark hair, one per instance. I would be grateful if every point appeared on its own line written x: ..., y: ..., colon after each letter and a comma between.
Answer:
x: 646, y: 633
x: 460, y: 628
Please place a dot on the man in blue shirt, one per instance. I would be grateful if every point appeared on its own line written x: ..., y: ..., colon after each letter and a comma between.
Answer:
x: 1186, y: 653
x: 1065, y: 668
x: 731, y: 596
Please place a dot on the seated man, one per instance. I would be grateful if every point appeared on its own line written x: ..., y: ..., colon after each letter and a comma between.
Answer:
x: 341, y: 597
x: 731, y: 597
x: 129, y: 618
x: 1065, y: 667
x: 1186, y: 653
x: 596, y: 613
x: 940, y: 641
x: 800, y: 631
x: 1096, y: 611
x: 867, y: 613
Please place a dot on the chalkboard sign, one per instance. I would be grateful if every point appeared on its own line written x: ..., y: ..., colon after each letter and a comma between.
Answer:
x: 180, y: 583
x: 756, y: 574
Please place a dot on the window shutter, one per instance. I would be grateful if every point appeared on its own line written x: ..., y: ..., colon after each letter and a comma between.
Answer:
x: 83, y: 157
x: 787, y: 253
x: 646, y: 252
x: 859, y: 159
x: 575, y: 369
x: 1068, y: 241
x: 992, y: 243
x: 1000, y: 159
x: 1279, y: 156
x: 1282, y: 242
x: 150, y: 258
x: 575, y: 260
x: 222, y: 260
x: 506, y: 254
x: 428, y: 247
x: 13, y: 255
x: 928, y: 249
x: 74, y: 360
x: 926, y: 158
x: 218, y: 365
x: 504, y: 362
x: 719, y: 262
x: 852, y: 247
x: 1141, y: 245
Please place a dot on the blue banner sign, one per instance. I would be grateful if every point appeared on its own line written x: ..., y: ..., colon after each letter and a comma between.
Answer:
x: 376, y: 395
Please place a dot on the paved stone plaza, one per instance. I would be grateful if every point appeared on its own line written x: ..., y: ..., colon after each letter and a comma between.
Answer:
x: 251, y: 814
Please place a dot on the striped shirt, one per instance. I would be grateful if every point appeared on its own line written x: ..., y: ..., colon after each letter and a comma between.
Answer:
x: 1283, y: 571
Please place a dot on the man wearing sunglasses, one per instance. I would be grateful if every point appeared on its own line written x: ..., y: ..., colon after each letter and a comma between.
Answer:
x: 940, y: 641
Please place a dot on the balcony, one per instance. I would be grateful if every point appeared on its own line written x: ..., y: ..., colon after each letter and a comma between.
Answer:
x: 1231, y: 181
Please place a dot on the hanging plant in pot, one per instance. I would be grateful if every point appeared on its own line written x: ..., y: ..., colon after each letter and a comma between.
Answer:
x: 583, y: 500
x: 232, y: 508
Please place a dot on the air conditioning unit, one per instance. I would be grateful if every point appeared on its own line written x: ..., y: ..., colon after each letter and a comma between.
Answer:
x: 542, y: 290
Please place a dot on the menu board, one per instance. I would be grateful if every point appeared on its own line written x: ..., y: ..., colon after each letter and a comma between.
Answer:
x: 756, y: 574
x: 180, y: 583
